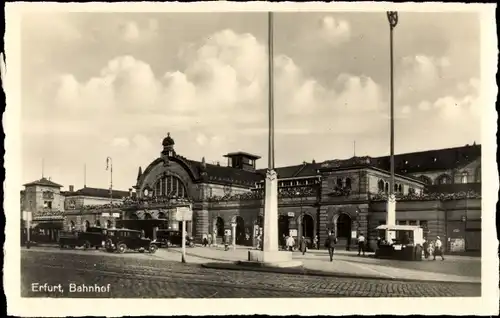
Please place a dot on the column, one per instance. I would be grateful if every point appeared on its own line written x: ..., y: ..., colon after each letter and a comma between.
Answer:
x: 155, y: 229
x: 233, y: 232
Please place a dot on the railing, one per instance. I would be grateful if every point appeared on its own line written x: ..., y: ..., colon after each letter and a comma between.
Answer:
x: 428, y: 196
x: 454, y: 187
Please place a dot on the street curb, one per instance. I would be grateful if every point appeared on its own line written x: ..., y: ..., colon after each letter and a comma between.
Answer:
x: 311, y: 272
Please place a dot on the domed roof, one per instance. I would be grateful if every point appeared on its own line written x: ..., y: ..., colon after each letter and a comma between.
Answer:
x: 168, y: 141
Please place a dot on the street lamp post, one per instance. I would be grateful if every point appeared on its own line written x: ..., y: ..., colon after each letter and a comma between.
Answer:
x: 300, y: 232
x: 392, y: 16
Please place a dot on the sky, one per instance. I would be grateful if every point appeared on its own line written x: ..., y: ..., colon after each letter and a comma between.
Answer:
x: 114, y: 84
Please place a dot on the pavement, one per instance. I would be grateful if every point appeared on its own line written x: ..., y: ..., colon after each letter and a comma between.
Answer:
x: 162, y: 275
x: 458, y: 269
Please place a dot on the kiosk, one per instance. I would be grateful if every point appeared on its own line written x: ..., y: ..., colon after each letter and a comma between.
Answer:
x: 405, y: 243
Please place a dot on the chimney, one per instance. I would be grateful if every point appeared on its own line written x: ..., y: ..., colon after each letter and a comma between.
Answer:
x: 71, y: 188
x: 130, y: 192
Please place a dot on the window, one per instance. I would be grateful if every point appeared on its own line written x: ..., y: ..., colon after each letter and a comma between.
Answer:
x: 411, y: 191
x: 400, y: 188
x: 339, y: 182
x: 170, y: 186
x: 464, y: 177
x: 386, y: 187
x: 444, y: 179
x: 395, y: 187
x: 402, y: 222
x: 381, y: 185
x: 348, y: 183
x: 424, y: 226
x: 478, y: 174
x: 47, y: 204
x: 413, y: 222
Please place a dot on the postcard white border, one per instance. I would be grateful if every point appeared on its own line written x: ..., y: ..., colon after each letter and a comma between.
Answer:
x: 485, y: 305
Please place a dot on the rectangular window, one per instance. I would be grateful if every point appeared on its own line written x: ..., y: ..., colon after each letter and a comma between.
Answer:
x: 401, y: 222
x: 381, y: 222
x: 47, y: 204
x: 413, y: 222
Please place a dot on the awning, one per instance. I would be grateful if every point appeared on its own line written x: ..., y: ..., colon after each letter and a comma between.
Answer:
x: 49, y: 225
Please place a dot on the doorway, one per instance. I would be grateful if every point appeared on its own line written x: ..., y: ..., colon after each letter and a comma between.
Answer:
x: 308, y: 226
x: 343, y: 229
x: 240, y: 231
x: 283, y: 226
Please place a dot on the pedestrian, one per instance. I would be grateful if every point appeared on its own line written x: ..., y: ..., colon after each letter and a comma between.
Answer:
x: 315, y: 242
x: 259, y: 242
x: 438, y: 249
x: 226, y: 242
x: 283, y: 242
x: 290, y: 242
x: 331, y: 240
x: 361, y: 244
x: 379, y: 242
x: 209, y: 240
x: 425, y: 246
x: 303, y: 245
x: 205, y: 240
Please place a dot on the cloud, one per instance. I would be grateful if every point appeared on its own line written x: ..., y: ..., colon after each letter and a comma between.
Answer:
x: 120, y: 142
x: 334, y: 31
x: 131, y: 31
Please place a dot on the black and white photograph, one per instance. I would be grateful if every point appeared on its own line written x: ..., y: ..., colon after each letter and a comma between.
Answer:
x: 277, y: 154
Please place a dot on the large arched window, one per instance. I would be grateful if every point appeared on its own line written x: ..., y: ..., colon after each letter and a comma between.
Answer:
x: 425, y: 179
x: 348, y: 183
x: 170, y: 186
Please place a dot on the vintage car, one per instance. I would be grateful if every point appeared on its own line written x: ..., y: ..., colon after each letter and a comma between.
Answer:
x: 404, y: 242
x: 168, y: 237
x: 93, y: 237
x: 121, y: 240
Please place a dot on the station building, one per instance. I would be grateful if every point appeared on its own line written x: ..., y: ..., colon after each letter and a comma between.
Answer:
x: 439, y: 190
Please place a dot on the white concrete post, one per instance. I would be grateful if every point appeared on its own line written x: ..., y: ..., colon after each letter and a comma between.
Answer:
x: 233, y: 226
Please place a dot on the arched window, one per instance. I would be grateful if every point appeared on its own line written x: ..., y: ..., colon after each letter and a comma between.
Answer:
x: 465, y: 177
x: 98, y: 223
x: 147, y: 216
x: 348, y: 183
x: 339, y: 182
x: 425, y: 179
x: 477, y: 176
x: 400, y: 188
x: 395, y: 187
x: 444, y: 179
x: 411, y: 191
x: 380, y: 185
x: 386, y: 187
x: 170, y: 186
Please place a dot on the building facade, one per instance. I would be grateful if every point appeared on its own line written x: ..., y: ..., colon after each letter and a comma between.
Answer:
x: 439, y: 190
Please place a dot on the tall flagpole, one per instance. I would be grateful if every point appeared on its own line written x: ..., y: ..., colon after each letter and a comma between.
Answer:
x: 271, y: 92
x: 392, y: 16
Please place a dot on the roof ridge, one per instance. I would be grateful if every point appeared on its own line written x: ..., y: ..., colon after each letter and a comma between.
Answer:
x: 304, y: 164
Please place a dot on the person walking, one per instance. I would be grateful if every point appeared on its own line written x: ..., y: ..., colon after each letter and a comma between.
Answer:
x: 303, y: 245
x: 315, y: 242
x: 361, y: 244
x: 205, y: 240
x: 330, y: 244
x: 425, y: 246
x: 438, y: 249
x: 209, y: 240
x: 290, y: 242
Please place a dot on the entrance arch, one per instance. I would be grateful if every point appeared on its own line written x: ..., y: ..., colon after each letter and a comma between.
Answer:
x: 344, y: 225
x: 283, y: 226
x: 308, y: 226
x: 240, y: 230
x: 219, y: 225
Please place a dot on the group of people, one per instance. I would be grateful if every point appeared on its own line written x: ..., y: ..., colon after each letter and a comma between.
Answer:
x: 434, y: 248
x: 288, y: 243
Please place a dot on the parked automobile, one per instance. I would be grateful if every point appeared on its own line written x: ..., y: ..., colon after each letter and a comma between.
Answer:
x: 167, y: 238
x: 121, y: 240
x: 93, y: 237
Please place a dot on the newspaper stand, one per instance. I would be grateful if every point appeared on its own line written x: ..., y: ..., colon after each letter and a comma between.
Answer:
x: 405, y: 244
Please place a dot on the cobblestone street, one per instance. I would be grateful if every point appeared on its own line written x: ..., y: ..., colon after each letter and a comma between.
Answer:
x: 147, y: 276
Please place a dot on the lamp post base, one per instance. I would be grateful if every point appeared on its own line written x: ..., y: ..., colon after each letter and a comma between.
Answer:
x: 270, y: 259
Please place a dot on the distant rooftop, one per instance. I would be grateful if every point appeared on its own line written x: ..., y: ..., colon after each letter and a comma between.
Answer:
x: 43, y: 182
x: 97, y: 193
x: 242, y: 153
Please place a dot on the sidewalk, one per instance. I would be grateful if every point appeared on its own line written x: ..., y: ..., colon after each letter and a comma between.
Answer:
x: 345, y: 264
